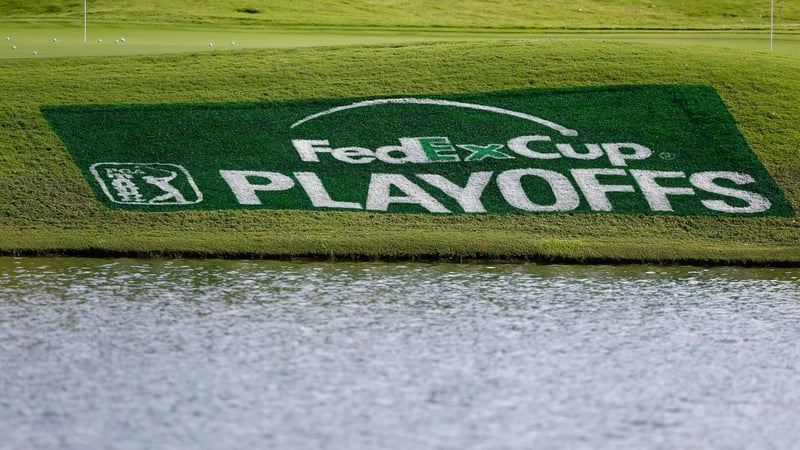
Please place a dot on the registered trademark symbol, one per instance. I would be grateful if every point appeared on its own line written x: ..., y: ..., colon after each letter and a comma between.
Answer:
x: 666, y: 156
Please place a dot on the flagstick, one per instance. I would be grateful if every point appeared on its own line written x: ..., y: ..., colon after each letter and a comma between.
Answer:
x: 771, y: 22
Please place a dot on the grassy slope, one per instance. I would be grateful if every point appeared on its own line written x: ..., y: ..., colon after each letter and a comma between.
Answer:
x: 581, y: 14
x: 46, y: 206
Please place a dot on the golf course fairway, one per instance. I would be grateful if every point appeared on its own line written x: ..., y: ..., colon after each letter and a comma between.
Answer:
x: 224, y: 92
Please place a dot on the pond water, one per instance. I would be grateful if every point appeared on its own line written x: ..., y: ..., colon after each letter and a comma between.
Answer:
x: 125, y: 353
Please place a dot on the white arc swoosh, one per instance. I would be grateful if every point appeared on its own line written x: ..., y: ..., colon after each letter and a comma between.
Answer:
x: 428, y: 101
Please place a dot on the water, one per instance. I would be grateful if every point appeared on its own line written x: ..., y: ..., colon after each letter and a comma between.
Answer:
x: 213, y: 354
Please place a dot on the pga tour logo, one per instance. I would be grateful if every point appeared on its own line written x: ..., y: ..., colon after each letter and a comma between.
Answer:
x: 146, y: 183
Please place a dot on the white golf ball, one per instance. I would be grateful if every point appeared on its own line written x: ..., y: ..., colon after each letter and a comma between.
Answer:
x: 55, y: 40
x: 233, y: 43
x: 99, y: 41
x: 13, y: 47
x: 8, y: 38
x: 116, y: 41
x: 122, y: 39
x: 35, y: 53
x: 210, y: 44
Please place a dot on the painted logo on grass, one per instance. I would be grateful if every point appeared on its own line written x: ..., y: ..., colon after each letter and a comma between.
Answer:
x: 629, y: 149
x: 146, y: 184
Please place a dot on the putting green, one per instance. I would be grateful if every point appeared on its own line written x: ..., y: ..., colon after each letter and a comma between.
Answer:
x: 65, y: 39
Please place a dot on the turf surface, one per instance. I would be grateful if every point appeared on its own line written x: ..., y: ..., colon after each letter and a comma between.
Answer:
x: 469, y: 14
x: 46, y: 206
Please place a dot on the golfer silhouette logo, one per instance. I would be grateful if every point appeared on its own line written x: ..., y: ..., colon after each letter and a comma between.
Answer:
x: 171, y: 194
x: 146, y: 183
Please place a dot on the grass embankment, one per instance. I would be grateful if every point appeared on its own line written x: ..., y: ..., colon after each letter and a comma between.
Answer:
x: 46, y: 206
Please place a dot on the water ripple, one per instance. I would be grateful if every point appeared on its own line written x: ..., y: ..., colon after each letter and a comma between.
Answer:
x: 228, y: 354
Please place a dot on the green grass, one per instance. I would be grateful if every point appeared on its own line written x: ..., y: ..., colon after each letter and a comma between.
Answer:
x: 47, y: 207
x: 553, y: 14
x: 151, y: 26
x: 149, y: 39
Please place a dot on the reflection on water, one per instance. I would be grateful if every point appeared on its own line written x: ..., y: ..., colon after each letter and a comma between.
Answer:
x: 235, y: 354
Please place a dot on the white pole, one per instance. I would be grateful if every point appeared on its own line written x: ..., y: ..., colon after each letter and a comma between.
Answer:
x: 771, y: 22
x: 84, y: 21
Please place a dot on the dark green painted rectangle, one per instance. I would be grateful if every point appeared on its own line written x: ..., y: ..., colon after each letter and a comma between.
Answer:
x: 626, y: 149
